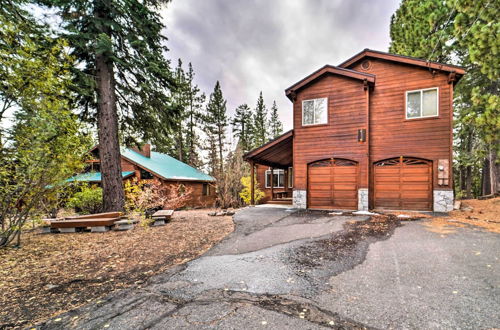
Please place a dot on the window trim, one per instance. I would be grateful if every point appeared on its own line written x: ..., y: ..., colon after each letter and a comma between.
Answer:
x: 422, y: 102
x: 302, y: 111
x: 267, y: 183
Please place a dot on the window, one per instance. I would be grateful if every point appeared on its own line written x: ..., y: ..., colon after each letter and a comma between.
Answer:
x: 422, y: 103
x: 206, y: 189
x: 290, y: 177
x: 278, y: 179
x: 145, y: 175
x: 315, y: 111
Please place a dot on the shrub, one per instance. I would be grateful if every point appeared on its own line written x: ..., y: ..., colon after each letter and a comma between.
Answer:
x: 87, y: 201
x: 245, y: 194
x: 152, y: 195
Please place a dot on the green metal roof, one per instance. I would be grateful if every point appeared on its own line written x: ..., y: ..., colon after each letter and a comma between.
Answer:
x: 93, y: 177
x: 166, y: 167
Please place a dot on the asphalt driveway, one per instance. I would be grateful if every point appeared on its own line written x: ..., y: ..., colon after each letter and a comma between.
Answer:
x: 288, y: 269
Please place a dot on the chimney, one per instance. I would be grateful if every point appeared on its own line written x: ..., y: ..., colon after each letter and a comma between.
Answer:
x: 145, y: 150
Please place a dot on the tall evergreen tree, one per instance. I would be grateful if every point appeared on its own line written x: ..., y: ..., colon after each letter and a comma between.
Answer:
x: 242, y: 126
x: 216, y: 122
x: 465, y: 32
x: 260, y: 123
x: 275, y: 124
x: 124, y: 82
x: 179, y: 98
x: 195, y: 100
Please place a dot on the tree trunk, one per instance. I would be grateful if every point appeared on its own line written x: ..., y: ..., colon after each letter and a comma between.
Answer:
x: 468, y: 182
x: 485, y: 181
x: 221, y: 147
x: 109, y: 146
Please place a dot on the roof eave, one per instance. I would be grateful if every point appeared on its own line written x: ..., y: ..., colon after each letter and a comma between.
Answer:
x: 402, y: 59
x: 370, y: 78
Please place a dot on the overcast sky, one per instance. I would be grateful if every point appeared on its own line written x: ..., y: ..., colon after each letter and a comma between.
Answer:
x: 268, y: 45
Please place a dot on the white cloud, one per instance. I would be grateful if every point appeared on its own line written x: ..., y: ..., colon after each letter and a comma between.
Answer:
x: 265, y: 45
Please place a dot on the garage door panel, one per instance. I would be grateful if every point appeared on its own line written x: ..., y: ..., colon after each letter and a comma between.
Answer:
x: 387, y: 171
x: 387, y: 187
x: 388, y: 194
x: 398, y: 184
x: 333, y: 185
x: 339, y: 194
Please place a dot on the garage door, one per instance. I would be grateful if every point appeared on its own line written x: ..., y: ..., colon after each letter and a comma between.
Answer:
x: 403, y: 184
x: 333, y: 184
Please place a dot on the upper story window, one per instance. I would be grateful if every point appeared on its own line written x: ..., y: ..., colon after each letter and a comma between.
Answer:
x: 422, y: 103
x: 315, y: 111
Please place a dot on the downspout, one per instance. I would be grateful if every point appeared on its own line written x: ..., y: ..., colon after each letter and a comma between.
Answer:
x: 368, y: 156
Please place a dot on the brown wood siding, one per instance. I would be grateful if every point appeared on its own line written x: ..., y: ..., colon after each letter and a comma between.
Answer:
x: 337, y: 138
x: 391, y: 134
x: 197, y: 198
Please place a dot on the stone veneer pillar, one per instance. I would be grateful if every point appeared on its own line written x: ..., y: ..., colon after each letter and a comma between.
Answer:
x: 363, y: 199
x: 300, y: 199
x: 443, y: 200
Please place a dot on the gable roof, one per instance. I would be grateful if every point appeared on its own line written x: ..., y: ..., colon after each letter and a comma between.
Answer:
x: 329, y: 69
x: 166, y: 167
x: 94, y: 176
x: 402, y: 59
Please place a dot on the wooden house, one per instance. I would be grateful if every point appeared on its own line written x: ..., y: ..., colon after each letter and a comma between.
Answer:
x: 145, y: 164
x: 374, y: 132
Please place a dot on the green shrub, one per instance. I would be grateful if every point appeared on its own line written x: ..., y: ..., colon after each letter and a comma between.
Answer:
x: 87, y: 201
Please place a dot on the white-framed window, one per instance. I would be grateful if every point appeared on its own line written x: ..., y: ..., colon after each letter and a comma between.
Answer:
x: 422, y: 103
x: 278, y: 178
x: 290, y: 177
x: 315, y: 111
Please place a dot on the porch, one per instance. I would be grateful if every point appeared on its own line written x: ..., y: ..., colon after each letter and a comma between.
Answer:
x: 271, y: 167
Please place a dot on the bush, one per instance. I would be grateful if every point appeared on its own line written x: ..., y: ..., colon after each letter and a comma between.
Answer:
x: 246, y: 193
x: 87, y: 201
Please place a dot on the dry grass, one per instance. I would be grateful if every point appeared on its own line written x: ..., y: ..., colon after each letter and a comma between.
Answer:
x: 54, y: 273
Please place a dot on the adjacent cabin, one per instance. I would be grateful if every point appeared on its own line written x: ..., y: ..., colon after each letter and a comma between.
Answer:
x: 145, y: 164
x: 374, y: 132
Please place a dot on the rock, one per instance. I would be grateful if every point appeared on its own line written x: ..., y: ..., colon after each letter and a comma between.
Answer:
x: 212, y: 214
x: 456, y: 205
x: 230, y: 213
x: 220, y: 214
x: 49, y: 287
x: 335, y: 213
x: 404, y: 216
x: 364, y: 213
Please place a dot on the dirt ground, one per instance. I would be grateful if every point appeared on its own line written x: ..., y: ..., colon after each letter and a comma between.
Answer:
x: 484, y: 214
x: 53, y: 273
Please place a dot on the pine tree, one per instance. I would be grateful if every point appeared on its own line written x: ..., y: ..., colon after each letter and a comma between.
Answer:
x: 275, y: 125
x: 195, y: 101
x: 242, y: 126
x: 462, y: 31
x: 179, y: 99
x: 215, y: 121
x: 260, y: 123
x: 123, y: 82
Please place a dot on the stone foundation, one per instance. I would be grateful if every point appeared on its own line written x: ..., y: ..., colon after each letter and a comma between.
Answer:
x: 300, y: 199
x: 99, y: 229
x: 443, y: 200
x: 363, y: 199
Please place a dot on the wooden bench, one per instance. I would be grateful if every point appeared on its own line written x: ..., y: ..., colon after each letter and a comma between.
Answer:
x: 161, y: 217
x: 95, y: 224
x: 96, y: 216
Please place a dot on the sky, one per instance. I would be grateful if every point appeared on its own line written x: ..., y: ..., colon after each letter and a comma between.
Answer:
x: 268, y: 45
